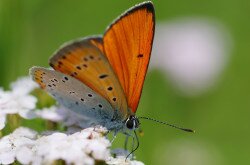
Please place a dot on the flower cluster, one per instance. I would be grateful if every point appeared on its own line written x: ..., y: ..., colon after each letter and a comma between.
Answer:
x: 18, y: 100
x: 74, y: 146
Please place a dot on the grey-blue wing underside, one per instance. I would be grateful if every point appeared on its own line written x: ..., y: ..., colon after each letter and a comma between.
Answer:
x: 73, y: 94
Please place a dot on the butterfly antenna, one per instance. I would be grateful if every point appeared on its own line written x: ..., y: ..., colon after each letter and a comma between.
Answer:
x: 171, y: 125
x: 137, y: 140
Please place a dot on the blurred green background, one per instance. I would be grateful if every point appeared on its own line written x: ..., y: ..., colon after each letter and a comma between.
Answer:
x: 31, y: 30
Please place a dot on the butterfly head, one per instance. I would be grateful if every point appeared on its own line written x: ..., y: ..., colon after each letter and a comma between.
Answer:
x: 132, y: 122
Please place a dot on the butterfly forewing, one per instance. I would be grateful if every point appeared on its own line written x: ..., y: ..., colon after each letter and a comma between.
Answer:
x: 72, y: 93
x: 84, y: 60
x: 127, y: 45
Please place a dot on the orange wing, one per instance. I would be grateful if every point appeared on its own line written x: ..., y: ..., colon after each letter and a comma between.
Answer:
x: 127, y: 45
x: 85, y: 61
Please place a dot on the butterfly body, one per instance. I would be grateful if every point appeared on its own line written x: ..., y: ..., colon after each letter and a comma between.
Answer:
x: 101, y: 77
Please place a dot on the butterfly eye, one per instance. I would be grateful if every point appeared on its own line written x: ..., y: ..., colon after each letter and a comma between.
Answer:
x: 132, y: 123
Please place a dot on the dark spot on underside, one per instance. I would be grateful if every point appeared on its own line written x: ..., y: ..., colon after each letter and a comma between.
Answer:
x: 110, y: 88
x: 103, y: 76
x: 90, y: 95
x: 114, y: 99
x: 78, y: 67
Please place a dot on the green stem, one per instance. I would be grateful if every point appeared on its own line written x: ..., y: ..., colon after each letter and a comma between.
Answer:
x: 14, y: 121
x: 50, y: 125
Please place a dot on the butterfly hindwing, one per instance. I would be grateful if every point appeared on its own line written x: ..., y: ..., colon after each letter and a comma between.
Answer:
x: 85, y: 61
x: 127, y: 45
x: 72, y: 93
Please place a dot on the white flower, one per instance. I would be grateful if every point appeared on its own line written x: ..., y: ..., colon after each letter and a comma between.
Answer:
x: 121, y: 160
x: 193, y: 53
x: 23, y: 86
x: 11, y: 144
x: 2, y: 121
x: 18, y: 100
x: 79, y: 148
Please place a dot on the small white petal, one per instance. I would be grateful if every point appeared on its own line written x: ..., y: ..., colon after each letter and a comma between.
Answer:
x: 24, y: 155
x: 121, y: 160
x: 2, y: 121
x: 27, y: 102
x: 24, y: 132
x: 28, y: 114
x: 23, y: 85
x: 50, y: 113
x: 7, y: 158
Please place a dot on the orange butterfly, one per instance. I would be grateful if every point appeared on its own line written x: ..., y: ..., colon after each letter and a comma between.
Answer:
x: 112, y: 67
x: 102, y: 77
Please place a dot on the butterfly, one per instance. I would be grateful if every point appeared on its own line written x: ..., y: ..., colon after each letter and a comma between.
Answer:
x: 101, y: 77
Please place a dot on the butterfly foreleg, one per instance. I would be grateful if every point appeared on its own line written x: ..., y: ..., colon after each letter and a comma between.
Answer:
x: 114, y: 136
x: 126, y: 141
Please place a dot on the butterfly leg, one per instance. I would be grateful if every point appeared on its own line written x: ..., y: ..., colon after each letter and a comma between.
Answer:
x: 126, y: 141
x: 114, y: 136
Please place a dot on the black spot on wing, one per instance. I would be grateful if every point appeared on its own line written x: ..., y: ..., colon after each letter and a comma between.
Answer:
x: 110, y: 88
x: 103, y: 76
x: 78, y: 67
x: 140, y: 55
